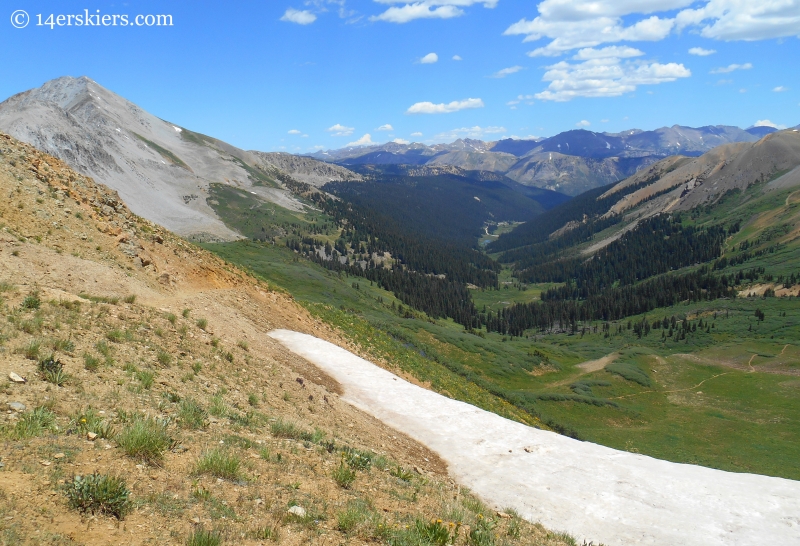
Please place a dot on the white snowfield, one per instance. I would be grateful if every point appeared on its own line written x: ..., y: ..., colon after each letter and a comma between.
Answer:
x: 593, y: 492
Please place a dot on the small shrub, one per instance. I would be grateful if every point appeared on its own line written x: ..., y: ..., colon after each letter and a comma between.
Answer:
x: 31, y: 350
x: 434, y: 532
x: 115, y: 336
x: 191, y: 414
x: 201, y: 537
x: 220, y: 464
x: 265, y: 533
x: 34, y: 423
x: 202, y: 323
x: 218, y: 407
x: 103, y: 348
x: 91, y: 421
x: 164, y: 358
x: 171, y: 396
x: 185, y: 313
x: 31, y: 301
x: 356, y: 459
x: 197, y: 367
x: 171, y: 318
x: 228, y: 356
x: 243, y: 345
x: 52, y: 371
x: 91, y: 363
x: 99, y: 493
x: 131, y: 298
x: 357, y: 518
x: 63, y: 345
x: 146, y: 378
x: 252, y: 399
x: 631, y: 372
x: 215, y: 342
x: 344, y: 476
x: 482, y: 533
x: 145, y: 439
x: 402, y: 474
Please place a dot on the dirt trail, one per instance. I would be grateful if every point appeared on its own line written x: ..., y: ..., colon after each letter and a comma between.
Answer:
x: 598, y: 364
x: 672, y: 391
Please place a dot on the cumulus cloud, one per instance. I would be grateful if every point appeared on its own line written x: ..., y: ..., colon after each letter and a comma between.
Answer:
x: 340, y: 130
x: 742, y: 20
x: 609, y: 77
x: 417, y: 134
x: 400, y: 141
x: 582, y: 123
x: 430, y: 58
x: 701, y: 52
x: 365, y: 140
x: 574, y: 24
x: 731, y: 68
x: 457, y: 58
x: 303, y: 17
x: 620, y: 52
x: 385, y: 127
x: 426, y: 9
x: 768, y: 123
x: 444, y: 108
x: 476, y: 132
x: 780, y: 89
x: 294, y: 132
x: 528, y: 99
x: 507, y: 71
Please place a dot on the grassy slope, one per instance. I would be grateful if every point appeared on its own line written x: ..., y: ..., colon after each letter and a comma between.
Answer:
x: 743, y: 419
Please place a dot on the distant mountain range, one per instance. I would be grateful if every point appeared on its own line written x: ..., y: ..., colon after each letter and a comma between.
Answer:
x: 161, y: 170
x: 570, y: 162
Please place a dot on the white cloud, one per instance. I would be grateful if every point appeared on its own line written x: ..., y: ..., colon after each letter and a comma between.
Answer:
x: 303, y: 17
x: 701, y: 52
x: 442, y: 108
x: 507, y: 71
x: 731, y: 68
x: 475, y: 132
x: 294, y: 132
x: 457, y: 58
x: 620, y: 52
x: 582, y: 123
x: 340, y: 130
x: 574, y: 24
x: 604, y: 121
x: 743, y: 19
x: 400, y: 141
x: 426, y: 9
x: 417, y: 134
x: 430, y: 58
x: 780, y: 89
x: 605, y: 78
x: 768, y: 123
x: 528, y: 99
x: 304, y: 136
x: 365, y: 140
x: 385, y: 127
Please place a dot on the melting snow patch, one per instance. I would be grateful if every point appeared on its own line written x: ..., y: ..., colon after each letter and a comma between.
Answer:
x: 594, y: 492
x: 177, y: 129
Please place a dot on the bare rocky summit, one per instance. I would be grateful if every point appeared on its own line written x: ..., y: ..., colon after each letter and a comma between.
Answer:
x: 162, y: 171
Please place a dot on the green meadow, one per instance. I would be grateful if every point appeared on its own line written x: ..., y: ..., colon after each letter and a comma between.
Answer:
x: 727, y: 395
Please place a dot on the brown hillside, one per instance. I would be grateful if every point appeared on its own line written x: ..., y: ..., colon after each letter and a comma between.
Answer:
x: 119, y: 327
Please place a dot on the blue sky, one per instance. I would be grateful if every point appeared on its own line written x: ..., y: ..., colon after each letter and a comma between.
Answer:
x: 302, y: 75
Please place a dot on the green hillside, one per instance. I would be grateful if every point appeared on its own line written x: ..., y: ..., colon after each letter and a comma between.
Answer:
x: 705, y: 380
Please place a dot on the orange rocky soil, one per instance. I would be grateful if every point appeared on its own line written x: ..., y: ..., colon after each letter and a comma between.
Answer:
x: 150, y: 330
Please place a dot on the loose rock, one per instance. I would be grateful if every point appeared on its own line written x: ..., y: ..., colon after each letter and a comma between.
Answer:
x: 17, y: 406
x: 16, y: 378
x: 298, y: 511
